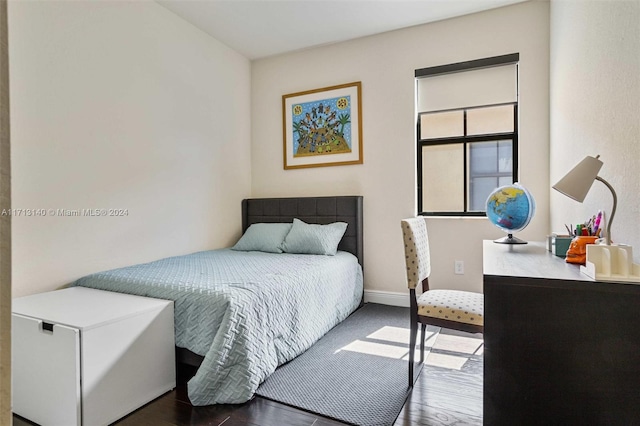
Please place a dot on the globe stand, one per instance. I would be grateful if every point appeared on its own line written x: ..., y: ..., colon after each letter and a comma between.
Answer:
x: 509, y: 239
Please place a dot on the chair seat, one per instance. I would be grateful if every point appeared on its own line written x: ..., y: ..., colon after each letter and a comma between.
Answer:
x: 453, y: 305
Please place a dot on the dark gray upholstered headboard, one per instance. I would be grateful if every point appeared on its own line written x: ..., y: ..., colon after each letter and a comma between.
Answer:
x: 320, y: 210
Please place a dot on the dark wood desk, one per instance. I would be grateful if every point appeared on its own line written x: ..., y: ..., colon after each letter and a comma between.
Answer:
x: 560, y: 348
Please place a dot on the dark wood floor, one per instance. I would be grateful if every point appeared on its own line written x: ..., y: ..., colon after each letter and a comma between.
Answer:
x: 441, y: 396
x: 444, y: 395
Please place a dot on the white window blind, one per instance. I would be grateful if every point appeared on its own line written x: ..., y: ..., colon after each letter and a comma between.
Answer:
x: 486, y: 86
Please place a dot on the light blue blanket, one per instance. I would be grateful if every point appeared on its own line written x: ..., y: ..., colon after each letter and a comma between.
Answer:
x: 245, y: 312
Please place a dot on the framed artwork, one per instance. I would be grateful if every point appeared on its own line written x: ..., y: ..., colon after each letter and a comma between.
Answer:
x: 323, y: 127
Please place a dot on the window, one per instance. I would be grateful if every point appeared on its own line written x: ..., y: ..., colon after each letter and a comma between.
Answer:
x: 467, y: 134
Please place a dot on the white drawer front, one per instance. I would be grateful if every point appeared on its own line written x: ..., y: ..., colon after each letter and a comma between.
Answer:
x: 46, y: 372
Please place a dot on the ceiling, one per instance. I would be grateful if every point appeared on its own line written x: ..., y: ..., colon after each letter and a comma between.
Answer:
x: 261, y: 28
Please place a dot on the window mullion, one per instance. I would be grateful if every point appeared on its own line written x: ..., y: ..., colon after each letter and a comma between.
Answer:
x: 514, y: 145
x: 419, y: 149
x: 465, y: 165
x: 497, y: 163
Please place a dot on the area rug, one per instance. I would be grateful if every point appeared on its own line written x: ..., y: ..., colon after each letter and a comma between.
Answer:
x: 355, y: 374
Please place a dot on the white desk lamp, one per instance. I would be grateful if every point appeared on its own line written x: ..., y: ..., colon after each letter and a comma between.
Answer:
x: 577, y: 183
x: 604, y: 262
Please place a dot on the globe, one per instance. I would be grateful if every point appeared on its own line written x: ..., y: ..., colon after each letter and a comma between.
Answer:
x: 510, y: 208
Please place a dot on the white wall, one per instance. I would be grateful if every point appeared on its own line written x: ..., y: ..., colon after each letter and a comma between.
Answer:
x: 595, y: 108
x: 385, y: 65
x: 121, y: 105
x: 5, y: 227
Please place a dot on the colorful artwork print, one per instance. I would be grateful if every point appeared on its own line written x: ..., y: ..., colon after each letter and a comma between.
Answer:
x: 322, y: 127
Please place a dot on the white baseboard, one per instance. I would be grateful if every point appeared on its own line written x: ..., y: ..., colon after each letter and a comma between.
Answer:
x: 387, y: 298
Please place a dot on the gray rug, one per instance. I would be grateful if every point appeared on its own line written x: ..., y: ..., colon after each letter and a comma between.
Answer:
x: 348, y: 384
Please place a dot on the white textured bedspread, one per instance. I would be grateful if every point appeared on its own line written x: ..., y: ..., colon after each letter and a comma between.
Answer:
x: 245, y: 312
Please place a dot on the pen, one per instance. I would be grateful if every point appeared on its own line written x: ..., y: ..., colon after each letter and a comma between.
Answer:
x: 596, y: 225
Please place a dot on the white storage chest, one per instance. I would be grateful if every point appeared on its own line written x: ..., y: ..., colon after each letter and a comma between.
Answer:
x: 84, y: 356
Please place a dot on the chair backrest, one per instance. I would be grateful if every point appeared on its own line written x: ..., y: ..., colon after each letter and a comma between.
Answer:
x: 416, y: 250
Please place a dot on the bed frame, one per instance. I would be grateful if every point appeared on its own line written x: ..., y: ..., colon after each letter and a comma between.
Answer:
x: 316, y: 210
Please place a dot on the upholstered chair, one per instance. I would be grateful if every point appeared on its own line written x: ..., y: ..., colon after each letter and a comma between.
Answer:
x: 453, y: 309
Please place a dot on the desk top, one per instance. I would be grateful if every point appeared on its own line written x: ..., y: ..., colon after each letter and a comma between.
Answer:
x: 530, y: 260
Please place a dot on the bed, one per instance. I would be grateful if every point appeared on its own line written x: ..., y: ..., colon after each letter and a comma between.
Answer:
x: 239, y: 314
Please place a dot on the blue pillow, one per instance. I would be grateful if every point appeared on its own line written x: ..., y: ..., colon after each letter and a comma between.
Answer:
x: 306, y: 238
x: 267, y: 237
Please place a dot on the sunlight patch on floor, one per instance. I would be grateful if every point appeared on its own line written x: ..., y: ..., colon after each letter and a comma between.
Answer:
x: 394, y: 334
x: 433, y: 340
x: 451, y: 362
x: 434, y: 359
x: 379, y: 349
x: 459, y: 344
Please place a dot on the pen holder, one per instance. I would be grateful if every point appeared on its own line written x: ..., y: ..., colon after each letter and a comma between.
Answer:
x: 577, y: 252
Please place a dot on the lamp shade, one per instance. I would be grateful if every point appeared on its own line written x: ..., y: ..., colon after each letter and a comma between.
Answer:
x: 578, y: 181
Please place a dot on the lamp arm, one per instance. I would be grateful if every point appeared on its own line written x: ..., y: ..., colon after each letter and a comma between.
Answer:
x: 613, y: 210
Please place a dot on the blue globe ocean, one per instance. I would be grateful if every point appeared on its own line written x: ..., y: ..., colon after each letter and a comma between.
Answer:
x: 510, y: 208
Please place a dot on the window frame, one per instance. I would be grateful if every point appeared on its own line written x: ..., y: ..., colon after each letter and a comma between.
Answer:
x: 464, y: 140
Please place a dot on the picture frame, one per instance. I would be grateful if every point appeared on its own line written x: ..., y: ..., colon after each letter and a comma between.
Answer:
x: 323, y: 127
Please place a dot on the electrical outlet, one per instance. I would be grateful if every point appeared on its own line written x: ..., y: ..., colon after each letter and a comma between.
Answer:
x: 458, y: 267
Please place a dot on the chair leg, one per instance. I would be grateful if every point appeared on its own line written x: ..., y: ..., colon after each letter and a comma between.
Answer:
x: 422, y: 332
x: 412, y: 349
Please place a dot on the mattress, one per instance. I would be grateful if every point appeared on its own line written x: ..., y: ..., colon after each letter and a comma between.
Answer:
x: 245, y: 312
